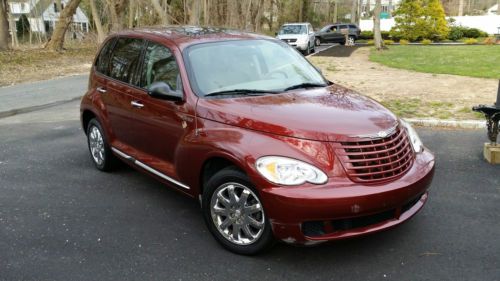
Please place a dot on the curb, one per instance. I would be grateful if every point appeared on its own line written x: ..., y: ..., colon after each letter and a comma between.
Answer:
x: 16, y: 111
x: 453, y: 124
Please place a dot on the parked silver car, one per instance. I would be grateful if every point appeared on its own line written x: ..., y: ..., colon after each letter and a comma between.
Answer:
x: 299, y: 35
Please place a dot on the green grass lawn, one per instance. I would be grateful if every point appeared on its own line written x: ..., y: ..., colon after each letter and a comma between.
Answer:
x: 476, y: 61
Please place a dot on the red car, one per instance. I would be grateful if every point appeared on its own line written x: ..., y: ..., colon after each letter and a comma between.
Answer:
x: 246, y: 125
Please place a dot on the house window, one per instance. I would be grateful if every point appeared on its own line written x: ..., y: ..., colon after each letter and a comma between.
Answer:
x: 56, y: 8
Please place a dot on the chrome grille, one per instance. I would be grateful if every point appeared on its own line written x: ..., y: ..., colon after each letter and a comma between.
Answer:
x: 379, y: 159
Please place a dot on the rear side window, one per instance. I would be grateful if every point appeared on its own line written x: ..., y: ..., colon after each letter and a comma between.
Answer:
x: 353, y: 26
x: 160, y: 66
x: 102, y: 61
x: 125, y: 59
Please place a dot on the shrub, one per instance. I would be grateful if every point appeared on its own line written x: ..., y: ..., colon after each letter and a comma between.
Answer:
x: 426, y: 42
x: 456, y: 33
x: 490, y: 41
x: 366, y: 35
x: 470, y: 41
x: 388, y: 42
x: 370, y: 42
x: 474, y: 33
x: 404, y: 42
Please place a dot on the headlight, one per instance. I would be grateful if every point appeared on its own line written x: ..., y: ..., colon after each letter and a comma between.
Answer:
x: 416, y: 143
x: 287, y: 171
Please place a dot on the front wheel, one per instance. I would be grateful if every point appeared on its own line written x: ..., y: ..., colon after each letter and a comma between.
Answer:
x: 351, y: 41
x: 234, y: 213
x: 317, y: 41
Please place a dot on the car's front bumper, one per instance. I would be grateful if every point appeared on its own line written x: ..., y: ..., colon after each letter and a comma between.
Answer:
x: 342, y: 208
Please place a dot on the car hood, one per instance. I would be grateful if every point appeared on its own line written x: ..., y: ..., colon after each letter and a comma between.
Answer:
x: 291, y: 36
x: 333, y: 113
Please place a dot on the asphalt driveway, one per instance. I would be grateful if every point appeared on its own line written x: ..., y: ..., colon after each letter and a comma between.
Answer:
x: 61, y: 219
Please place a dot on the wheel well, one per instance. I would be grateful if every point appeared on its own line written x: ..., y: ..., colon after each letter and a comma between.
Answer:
x: 86, y: 117
x: 211, y: 167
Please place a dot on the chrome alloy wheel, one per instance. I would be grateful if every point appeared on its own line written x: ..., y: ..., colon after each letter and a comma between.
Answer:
x: 237, y: 213
x: 351, y: 41
x: 96, y: 144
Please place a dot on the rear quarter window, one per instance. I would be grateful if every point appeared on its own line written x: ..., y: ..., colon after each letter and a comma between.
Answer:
x: 102, y: 61
x: 125, y: 59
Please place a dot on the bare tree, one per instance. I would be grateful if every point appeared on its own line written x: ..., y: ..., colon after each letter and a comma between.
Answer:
x: 4, y: 26
x: 56, y: 41
x: 354, y: 11
x: 498, y: 7
x: 97, y: 21
x: 161, y: 12
x: 117, y: 12
x: 461, y: 7
x: 377, y: 34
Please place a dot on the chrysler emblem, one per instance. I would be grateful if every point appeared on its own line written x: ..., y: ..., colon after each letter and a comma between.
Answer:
x: 382, y: 134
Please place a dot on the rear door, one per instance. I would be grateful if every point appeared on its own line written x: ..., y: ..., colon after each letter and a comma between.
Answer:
x: 121, y: 91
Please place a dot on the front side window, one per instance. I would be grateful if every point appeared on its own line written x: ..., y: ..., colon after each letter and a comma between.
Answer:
x: 125, y: 58
x: 293, y: 29
x: 265, y: 65
x: 160, y: 66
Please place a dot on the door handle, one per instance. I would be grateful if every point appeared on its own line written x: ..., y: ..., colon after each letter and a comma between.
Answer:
x: 101, y: 90
x: 137, y: 104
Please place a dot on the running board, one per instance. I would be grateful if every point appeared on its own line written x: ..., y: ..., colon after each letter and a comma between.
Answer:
x: 147, y: 168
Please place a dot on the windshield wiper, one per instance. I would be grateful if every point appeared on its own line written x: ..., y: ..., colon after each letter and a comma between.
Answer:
x: 305, y: 85
x: 246, y: 92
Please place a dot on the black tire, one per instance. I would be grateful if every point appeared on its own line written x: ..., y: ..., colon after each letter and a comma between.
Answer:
x: 232, y: 175
x: 307, y: 51
x: 109, y: 161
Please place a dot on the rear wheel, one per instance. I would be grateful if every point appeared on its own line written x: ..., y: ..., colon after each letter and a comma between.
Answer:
x: 99, y: 149
x: 234, y: 213
x: 317, y: 41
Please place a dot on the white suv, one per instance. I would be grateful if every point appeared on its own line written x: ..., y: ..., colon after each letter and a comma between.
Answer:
x: 299, y: 35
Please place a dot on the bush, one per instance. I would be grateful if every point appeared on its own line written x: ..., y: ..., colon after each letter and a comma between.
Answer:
x: 366, y: 35
x: 470, y: 41
x: 456, y: 33
x: 474, y: 33
x: 490, y: 41
x: 388, y: 42
x: 370, y: 42
x: 426, y: 42
x: 404, y: 42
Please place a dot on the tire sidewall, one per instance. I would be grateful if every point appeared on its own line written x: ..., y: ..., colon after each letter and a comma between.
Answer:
x: 226, y: 175
x: 106, y: 163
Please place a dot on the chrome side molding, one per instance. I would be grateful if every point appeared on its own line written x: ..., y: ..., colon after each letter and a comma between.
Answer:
x: 149, y: 169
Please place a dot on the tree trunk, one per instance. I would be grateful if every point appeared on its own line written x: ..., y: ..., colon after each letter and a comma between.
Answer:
x: 335, y: 11
x: 117, y: 11
x: 390, y: 8
x: 4, y: 26
x: 368, y: 8
x: 194, y: 18
x: 498, y: 7
x: 97, y: 21
x: 66, y: 16
x: 161, y: 12
x: 354, y: 10
x: 377, y: 34
x: 460, y: 8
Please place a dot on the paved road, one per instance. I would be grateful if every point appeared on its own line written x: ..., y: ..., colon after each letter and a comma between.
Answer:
x: 35, y: 95
x: 60, y: 219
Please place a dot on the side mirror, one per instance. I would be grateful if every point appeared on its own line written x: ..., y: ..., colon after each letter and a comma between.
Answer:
x: 162, y: 90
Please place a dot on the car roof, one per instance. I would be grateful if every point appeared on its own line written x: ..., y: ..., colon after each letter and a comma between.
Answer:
x: 296, y: 23
x: 184, y: 36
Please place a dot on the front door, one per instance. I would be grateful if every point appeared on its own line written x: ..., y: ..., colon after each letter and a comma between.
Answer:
x: 163, y: 122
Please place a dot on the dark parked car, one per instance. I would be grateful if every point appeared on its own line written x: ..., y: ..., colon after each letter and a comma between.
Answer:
x: 247, y: 126
x: 332, y: 34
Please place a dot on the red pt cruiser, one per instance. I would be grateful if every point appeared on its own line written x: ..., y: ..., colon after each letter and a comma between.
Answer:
x: 272, y: 150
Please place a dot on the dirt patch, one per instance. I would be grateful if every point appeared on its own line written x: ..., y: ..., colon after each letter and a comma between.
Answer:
x: 26, y: 65
x: 407, y: 93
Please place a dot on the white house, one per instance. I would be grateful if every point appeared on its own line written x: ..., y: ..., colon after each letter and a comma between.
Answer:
x: 42, y: 15
x: 493, y: 10
x: 388, y: 6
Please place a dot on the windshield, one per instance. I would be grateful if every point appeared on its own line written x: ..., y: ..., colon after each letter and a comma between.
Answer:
x: 293, y: 29
x: 265, y: 65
